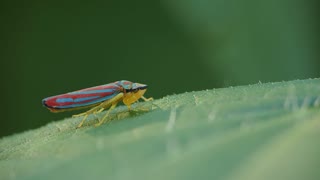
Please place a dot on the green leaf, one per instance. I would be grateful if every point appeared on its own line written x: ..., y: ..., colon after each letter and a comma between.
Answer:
x: 261, y: 131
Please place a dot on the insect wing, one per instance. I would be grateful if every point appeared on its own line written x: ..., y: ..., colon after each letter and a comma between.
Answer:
x: 82, y: 98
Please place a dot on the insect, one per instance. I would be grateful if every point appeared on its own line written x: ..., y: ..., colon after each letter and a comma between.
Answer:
x: 98, y: 98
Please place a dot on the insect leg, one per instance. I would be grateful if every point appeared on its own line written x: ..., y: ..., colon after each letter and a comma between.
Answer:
x: 99, y: 108
x: 113, y: 102
x: 85, y: 114
x: 106, y: 115
x: 84, y: 118
x: 145, y: 99
x: 149, y: 99
x: 78, y: 115
x: 99, y: 111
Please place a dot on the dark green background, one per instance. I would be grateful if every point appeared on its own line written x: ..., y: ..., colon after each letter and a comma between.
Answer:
x: 54, y: 47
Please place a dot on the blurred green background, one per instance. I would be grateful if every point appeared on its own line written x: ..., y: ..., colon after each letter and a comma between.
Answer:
x: 54, y: 47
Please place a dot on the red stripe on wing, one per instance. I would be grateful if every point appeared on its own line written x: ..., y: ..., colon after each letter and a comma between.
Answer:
x: 82, y: 97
